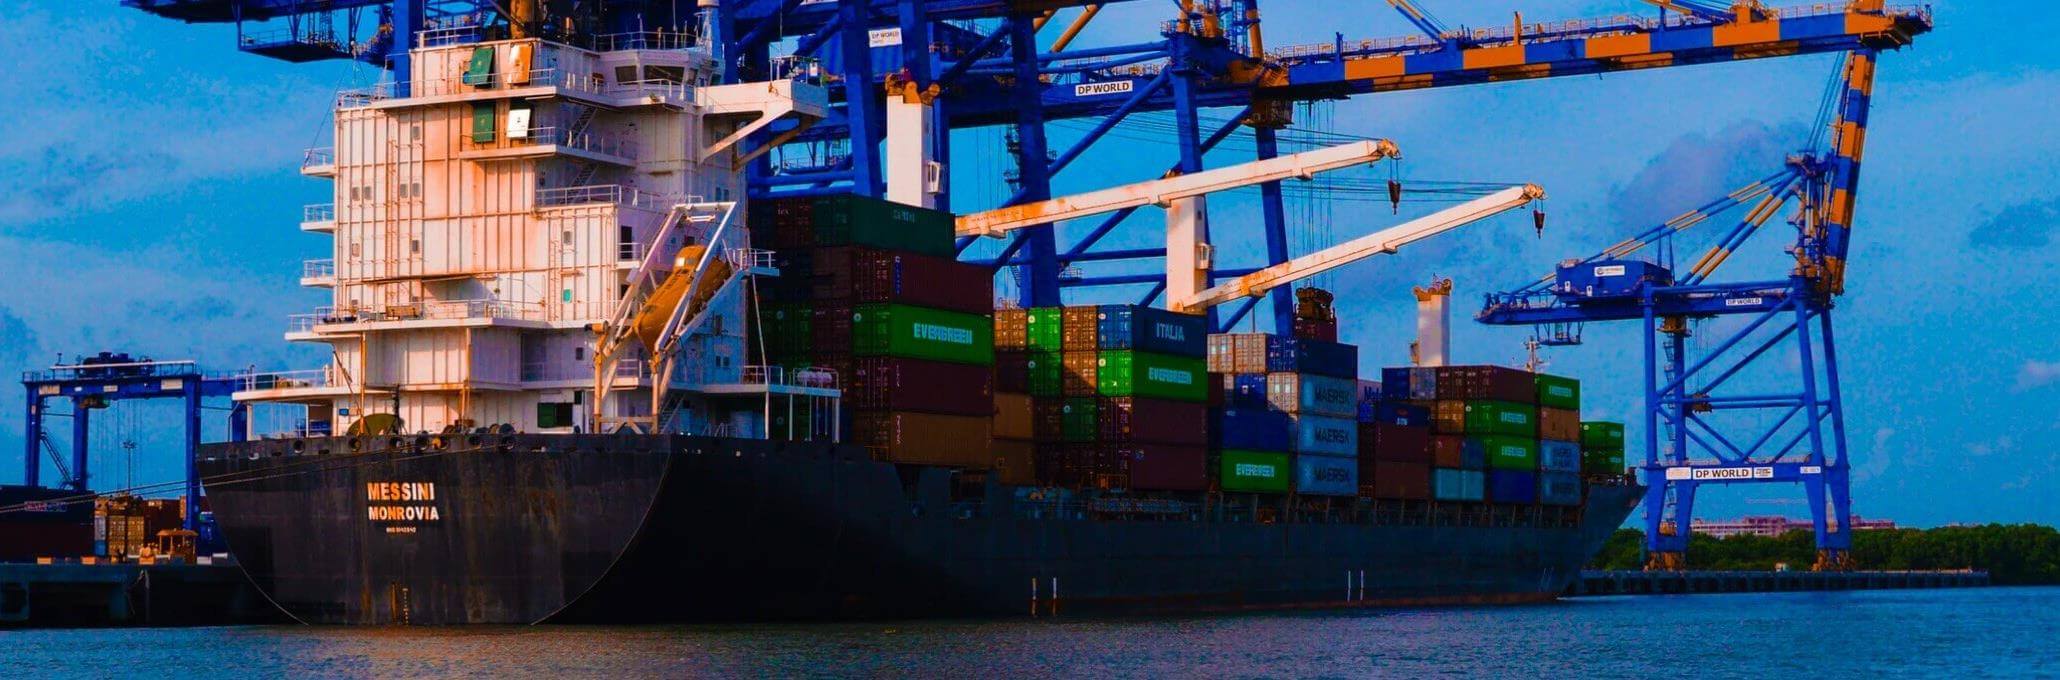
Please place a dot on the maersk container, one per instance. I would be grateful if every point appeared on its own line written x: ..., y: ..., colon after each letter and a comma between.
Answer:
x: 1557, y: 456
x: 1044, y: 329
x: 1499, y: 417
x: 1603, y: 435
x: 1324, y: 435
x: 861, y: 221
x: 1297, y: 355
x: 1459, y: 485
x: 1326, y: 476
x: 1250, y: 430
x: 1244, y: 390
x: 1559, y: 488
x: 922, y: 333
x: 1254, y: 471
x: 1394, y: 413
x: 1509, y: 453
x: 1153, y: 330
x: 1513, y: 487
x: 1558, y: 392
x: 1130, y: 373
x: 1311, y: 394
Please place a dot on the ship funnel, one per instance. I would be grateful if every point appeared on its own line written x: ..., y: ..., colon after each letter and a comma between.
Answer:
x: 1433, y: 345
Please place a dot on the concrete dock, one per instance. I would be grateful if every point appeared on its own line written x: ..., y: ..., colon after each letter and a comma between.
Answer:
x: 1692, y: 582
x: 77, y: 594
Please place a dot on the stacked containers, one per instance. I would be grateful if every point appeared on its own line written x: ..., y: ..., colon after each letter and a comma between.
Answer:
x: 1288, y: 405
x: 1395, y: 456
x: 1485, y: 418
x: 1602, y: 448
x: 1118, y: 392
x: 1559, y: 432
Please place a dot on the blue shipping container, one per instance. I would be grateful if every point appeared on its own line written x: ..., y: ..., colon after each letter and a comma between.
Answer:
x: 1394, y: 383
x: 1458, y: 485
x: 1311, y: 394
x: 1473, y: 453
x: 1301, y: 355
x: 1559, y: 456
x: 1326, y: 436
x: 1394, y: 413
x: 1559, y: 488
x: 1248, y: 429
x: 1245, y: 390
x: 1152, y: 329
x: 1326, y: 476
x: 1423, y: 383
x: 1610, y: 278
x: 1512, y: 487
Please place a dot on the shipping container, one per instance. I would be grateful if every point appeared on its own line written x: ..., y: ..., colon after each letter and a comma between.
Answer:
x: 1369, y: 390
x: 1559, y: 424
x: 1012, y: 371
x: 1403, y: 481
x: 1126, y: 420
x: 1014, y: 417
x: 1394, y: 383
x: 1559, y: 488
x: 1512, y: 487
x: 1476, y: 383
x: 1128, y: 373
x: 897, y: 384
x: 1015, y: 462
x: 1243, y: 390
x: 1506, y: 452
x: 1324, y: 435
x: 1151, y: 329
x: 1558, y: 392
x: 1253, y: 471
x: 1602, y: 462
x: 1459, y: 485
x: 880, y: 276
x: 1010, y: 329
x: 1501, y: 417
x: 1251, y: 430
x: 830, y: 328
x: 1163, y: 467
x: 1048, y: 419
x: 1423, y: 383
x: 1311, y: 394
x: 1399, y: 443
x: 1078, y: 379
x: 1558, y: 456
x: 922, y: 333
x: 1326, y: 476
x: 1394, y: 413
x: 1079, y: 327
x: 926, y: 438
x: 1296, y: 355
x: 1081, y: 419
x: 1458, y: 452
x: 1044, y: 329
x: 861, y: 221
x: 1596, y: 434
x: 1238, y: 353
x: 1321, y: 330
x: 1046, y: 373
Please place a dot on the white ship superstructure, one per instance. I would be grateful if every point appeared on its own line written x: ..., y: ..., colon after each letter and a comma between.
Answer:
x: 490, y: 213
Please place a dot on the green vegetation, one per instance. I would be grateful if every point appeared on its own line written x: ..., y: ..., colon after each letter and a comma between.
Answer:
x: 2013, y: 554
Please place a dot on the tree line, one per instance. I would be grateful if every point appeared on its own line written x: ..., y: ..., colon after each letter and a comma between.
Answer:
x: 2012, y: 554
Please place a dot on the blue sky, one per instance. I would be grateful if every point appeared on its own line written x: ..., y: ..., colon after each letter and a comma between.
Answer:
x: 154, y: 196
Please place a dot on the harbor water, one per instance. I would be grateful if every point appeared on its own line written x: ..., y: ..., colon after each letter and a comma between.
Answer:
x: 1992, y: 632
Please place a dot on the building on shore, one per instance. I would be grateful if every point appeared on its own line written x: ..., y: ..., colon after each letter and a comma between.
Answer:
x: 1772, y: 526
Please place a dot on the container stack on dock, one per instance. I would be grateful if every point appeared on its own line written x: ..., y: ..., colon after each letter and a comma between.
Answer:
x: 1286, y: 417
x: 1114, y: 395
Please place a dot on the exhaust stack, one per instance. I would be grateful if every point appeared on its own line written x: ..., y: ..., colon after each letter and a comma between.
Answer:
x: 1433, y: 346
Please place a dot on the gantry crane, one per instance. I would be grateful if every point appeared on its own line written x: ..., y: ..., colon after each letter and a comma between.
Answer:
x: 1693, y: 404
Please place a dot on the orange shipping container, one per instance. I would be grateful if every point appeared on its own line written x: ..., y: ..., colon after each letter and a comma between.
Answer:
x: 902, y: 437
x: 1011, y: 329
x: 1079, y: 378
x: 1012, y: 417
x: 1559, y: 424
x: 1448, y: 416
x: 1014, y: 462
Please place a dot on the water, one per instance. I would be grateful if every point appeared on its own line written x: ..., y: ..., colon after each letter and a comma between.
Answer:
x: 1999, y: 632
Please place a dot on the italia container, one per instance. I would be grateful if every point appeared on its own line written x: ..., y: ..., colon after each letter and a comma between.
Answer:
x: 1125, y: 420
x: 1598, y: 462
x: 1399, y: 443
x: 1557, y: 392
x: 897, y: 384
x: 1044, y: 329
x: 884, y: 276
x: 1477, y: 383
x: 1166, y: 467
x: 1244, y: 390
x: 1324, y: 435
x: 1514, y: 487
x: 1555, y: 456
x: 1311, y: 394
x: 1603, y: 435
x: 1251, y: 430
x: 1559, y: 424
x: 1498, y: 417
x: 1559, y: 488
x: 1394, y: 413
x: 922, y: 333
x: 855, y: 220
x: 1151, y: 329
x: 1254, y: 471
x: 1130, y: 373
x: 1238, y: 352
x: 1406, y: 481
x: 1297, y: 355
x: 1459, y: 485
x: 1326, y: 476
x: 1458, y: 452
x: 1504, y: 452
x: 926, y: 438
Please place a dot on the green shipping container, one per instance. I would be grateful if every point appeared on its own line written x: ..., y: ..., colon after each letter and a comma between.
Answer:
x: 787, y: 328
x: 1558, y: 392
x: 1501, y: 417
x: 922, y: 333
x: 1132, y: 373
x: 1254, y: 471
x: 1047, y: 374
x: 1505, y: 452
x: 848, y: 220
x: 1602, y: 435
x: 1079, y: 421
x: 1602, y: 462
x: 1045, y: 328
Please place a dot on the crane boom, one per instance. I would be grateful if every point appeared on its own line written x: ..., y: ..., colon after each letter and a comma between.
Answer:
x: 1380, y: 242
x: 994, y: 223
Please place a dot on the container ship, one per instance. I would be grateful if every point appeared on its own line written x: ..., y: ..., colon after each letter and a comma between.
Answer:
x: 575, y: 377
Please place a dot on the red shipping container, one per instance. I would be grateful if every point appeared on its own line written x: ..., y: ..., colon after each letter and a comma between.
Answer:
x: 1498, y: 383
x: 921, y: 280
x: 1403, y: 481
x: 1159, y: 467
x: 1012, y: 372
x: 1396, y: 443
x: 915, y: 385
x: 1136, y: 420
x: 1325, y: 330
x: 1448, y: 451
x: 831, y: 328
x: 833, y: 266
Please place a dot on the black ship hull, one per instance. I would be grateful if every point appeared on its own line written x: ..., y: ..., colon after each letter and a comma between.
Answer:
x: 620, y: 529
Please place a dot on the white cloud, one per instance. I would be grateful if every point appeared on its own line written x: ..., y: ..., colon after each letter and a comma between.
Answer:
x: 2035, y: 374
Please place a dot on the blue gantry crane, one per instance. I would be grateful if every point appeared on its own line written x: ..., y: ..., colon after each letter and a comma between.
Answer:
x: 1699, y: 422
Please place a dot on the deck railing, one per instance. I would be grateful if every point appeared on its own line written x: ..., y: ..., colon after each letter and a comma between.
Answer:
x: 318, y: 212
x: 603, y: 193
x: 318, y: 156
